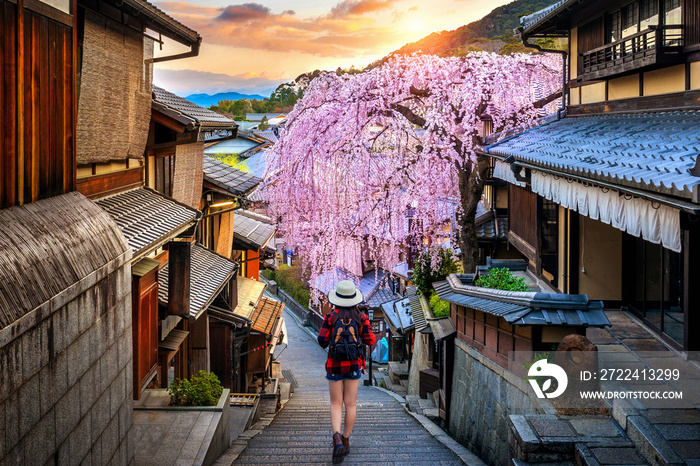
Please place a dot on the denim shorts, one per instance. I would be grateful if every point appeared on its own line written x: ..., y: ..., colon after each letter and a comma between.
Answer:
x: 354, y: 375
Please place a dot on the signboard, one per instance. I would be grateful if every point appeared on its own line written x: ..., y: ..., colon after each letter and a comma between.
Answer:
x: 378, y: 327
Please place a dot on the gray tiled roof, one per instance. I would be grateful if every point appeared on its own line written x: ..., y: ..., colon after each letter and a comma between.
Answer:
x: 209, y: 272
x: 399, y: 313
x: 523, y: 308
x: 418, y: 312
x: 545, y: 13
x: 650, y: 151
x: 252, y: 230
x: 203, y: 116
x: 158, y: 16
x: 380, y: 295
x: 146, y: 217
x: 229, y: 178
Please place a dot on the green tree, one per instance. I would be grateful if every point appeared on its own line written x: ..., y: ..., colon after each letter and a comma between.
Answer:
x: 433, y: 265
x: 263, y: 124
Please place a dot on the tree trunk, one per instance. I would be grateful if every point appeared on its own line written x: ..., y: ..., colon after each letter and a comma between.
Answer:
x: 471, y: 187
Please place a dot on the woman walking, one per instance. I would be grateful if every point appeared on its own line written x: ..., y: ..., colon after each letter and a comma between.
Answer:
x: 344, y: 331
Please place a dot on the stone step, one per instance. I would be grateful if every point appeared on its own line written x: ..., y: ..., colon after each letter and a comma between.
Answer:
x: 383, y: 458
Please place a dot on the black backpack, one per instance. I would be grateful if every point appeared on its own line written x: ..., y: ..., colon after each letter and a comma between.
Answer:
x: 345, y: 340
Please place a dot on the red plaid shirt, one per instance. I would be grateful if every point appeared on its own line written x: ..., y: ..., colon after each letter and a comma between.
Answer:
x: 324, y: 338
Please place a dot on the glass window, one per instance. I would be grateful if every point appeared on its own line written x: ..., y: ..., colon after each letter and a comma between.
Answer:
x: 630, y: 19
x: 613, y: 27
x: 657, y: 293
x: 672, y: 12
x: 648, y: 14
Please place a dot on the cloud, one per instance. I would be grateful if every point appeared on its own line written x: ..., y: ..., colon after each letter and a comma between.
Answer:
x: 342, y: 31
x: 359, y: 7
x: 244, y: 12
x: 186, y: 82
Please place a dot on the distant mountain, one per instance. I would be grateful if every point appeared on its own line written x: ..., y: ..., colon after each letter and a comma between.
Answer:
x: 490, y: 33
x: 207, y: 100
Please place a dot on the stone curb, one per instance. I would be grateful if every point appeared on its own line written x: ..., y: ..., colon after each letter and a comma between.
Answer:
x: 466, y: 456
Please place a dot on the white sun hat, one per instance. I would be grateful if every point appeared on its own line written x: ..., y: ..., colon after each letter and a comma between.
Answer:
x: 345, y: 294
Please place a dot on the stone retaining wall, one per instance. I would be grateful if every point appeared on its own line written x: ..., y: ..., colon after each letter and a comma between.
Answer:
x: 66, y: 375
x: 483, y: 396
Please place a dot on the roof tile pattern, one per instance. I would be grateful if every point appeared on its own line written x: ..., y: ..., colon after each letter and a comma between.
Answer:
x: 651, y: 151
x: 523, y: 308
x: 229, y: 178
x: 204, y: 116
x: 209, y: 272
x: 266, y: 314
x: 146, y: 217
x: 252, y: 230
x: 249, y: 293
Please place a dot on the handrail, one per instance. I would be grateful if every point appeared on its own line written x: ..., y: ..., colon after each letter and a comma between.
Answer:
x: 633, y: 36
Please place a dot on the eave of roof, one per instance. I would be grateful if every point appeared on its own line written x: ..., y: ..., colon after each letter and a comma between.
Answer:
x: 653, y: 152
x: 532, y: 22
x: 171, y: 27
x: 249, y: 294
x: 266, y: 314
x: 523, y: 308
x: 228, y: 178
x: 251, y: 230
x: 209, y: 272
x: 204, y: 118
x: 147, y: 218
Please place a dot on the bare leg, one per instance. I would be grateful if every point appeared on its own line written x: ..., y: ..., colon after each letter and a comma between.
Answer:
x: 336, y: 390
x: 349, y: 398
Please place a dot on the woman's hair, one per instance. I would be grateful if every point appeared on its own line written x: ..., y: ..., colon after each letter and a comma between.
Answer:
x: 350, y: 312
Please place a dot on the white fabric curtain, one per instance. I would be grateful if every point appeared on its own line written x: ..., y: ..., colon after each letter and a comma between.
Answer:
x: 502, y: 171
x: 635, y: 216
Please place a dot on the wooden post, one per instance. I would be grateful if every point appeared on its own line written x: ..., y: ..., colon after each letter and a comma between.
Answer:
x: 179, y: 254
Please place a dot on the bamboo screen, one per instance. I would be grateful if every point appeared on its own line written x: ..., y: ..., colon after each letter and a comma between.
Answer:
x: 114, y: 109
x: 189, y: 172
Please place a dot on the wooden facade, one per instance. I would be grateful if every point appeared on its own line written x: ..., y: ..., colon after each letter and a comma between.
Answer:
x: 145, y: 328
x: 38, y: 96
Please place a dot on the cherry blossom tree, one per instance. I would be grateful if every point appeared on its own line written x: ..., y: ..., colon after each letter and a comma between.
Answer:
x: 361, y: 153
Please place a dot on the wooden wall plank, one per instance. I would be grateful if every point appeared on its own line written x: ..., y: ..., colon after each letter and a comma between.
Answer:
x: 10, y: 110
x: 21, y: 15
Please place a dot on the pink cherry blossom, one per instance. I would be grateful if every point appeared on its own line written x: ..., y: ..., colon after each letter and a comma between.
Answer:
x: 359, y: 151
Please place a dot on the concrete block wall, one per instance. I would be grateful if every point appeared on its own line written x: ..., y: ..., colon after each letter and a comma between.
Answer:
x: 66, y: 380
x: 484, y: 394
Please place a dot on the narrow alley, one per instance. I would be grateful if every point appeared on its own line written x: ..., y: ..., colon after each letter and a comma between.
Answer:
x: 384, y: 432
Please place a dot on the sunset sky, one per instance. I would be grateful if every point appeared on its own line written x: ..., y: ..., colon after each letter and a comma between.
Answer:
x: 253, y: 47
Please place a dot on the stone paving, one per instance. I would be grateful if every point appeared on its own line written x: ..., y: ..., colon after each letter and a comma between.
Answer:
x: 384, y: 432
x: 664, y: 431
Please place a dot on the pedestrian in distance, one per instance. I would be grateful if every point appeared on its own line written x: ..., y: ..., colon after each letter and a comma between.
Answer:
x: 344, y: 331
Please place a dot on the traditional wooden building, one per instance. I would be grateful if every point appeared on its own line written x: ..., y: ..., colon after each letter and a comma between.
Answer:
x: 253, y: 241
x: 72, y: 85
x: 603, y: 198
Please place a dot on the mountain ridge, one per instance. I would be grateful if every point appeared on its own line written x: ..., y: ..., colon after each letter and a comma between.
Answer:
x: 206, y: 100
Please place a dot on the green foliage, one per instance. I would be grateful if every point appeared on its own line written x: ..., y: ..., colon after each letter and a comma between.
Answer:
x: 264, y: 124
x: 502, y: 279
x: 203, y: 389
x: 293, y: 281
x: 440, y: 308
x: 282, y: 100
x: 424, y: 275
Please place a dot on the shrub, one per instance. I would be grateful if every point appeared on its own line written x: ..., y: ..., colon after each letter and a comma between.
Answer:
x: 502, y: 279
x: 292, y: 281
x: 440, y: 308
x: 203, y: 389
x: 433, y: 265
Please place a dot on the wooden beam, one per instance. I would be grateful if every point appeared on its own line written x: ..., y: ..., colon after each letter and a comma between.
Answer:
x: 686, y: 100
x: 179, y: 258
x: 110, y: 183
x: 168, y: 122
